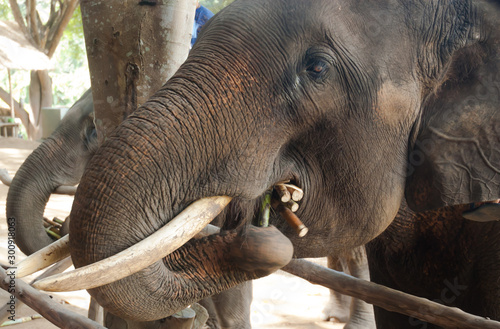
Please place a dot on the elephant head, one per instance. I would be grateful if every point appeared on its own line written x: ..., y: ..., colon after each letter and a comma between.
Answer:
x: 331, y: 95
x: 59, y: 160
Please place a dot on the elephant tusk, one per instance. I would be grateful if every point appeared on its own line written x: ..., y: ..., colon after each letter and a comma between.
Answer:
x: 43, y: 258
x: 139, y: 256
x: 207, y: 230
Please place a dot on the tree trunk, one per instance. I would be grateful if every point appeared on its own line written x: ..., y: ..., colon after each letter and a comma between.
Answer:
x: 133, y: 48
x: 132, y: 51
x: 40, y: 93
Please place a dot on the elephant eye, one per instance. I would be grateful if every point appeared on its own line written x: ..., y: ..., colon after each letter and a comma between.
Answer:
x: 90, y: 138
x: 317, y: 69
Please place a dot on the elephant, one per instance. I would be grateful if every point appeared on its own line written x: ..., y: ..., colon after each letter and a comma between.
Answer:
x: 59, y: 160
x: 361, y: 104
x: 441, y: 256
x: 340, y: 308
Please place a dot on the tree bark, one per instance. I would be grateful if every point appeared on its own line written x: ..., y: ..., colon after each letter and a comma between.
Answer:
x: 133, y: 53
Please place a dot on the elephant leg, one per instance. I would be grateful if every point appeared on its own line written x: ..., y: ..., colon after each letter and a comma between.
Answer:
x: 362, y: 316
x: 208, y: 304
x: 337, y: 310
x: 233, y: 306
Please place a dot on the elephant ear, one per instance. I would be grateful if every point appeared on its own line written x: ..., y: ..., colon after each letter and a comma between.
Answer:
x: 456, y: 155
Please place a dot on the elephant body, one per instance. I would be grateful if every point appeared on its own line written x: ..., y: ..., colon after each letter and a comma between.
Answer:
x: 359, y: 103
x: 440, y: 256
x: 340, y: 308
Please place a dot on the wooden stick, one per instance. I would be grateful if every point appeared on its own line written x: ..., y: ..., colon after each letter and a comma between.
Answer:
x: 292, y: 220
x: 44, y: 257
x: 389, y: 299
x: 96, y: 312
x: 283, y: 193
x: 296, y: 192
x: 46, y: 306
x: 63, y: 189
x: 57, y: 268
x: 21, y: 320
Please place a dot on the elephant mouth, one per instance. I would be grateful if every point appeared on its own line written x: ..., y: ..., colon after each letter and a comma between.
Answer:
x: 193, y: 222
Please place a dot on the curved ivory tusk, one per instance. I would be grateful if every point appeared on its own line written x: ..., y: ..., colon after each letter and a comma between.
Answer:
x: 139, y: 256
x: 43, y: 258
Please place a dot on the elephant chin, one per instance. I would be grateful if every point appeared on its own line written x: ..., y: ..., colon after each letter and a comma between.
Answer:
x: 201, y: 267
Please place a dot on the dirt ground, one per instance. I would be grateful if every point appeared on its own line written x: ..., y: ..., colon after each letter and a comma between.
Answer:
x: 280, y: 300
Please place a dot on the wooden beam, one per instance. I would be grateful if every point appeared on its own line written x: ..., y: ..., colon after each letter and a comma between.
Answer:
x: 43, y: 304
x: 389, y: 299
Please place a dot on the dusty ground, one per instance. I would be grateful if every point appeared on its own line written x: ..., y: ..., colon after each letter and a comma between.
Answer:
x: 280, y: 300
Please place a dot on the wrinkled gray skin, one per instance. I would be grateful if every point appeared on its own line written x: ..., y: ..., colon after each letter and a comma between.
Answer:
x: 360, y: 103
x: 59, y: 160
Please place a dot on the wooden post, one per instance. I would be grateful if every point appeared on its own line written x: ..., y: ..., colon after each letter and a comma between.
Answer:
x: 133, y: 48
x: 12, y: 113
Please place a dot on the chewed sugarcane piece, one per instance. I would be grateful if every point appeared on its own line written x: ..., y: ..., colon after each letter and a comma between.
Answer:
x: 51, y: 222
x: 265, y: 209
x: 282, y: 192
x: 296, y: 192
x: 292, y: 220
x: 52, y: 233
x: 58, y: 221
x: 292, y: 205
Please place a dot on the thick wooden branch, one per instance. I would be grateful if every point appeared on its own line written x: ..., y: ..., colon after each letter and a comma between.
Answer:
x: 389, y: 299
x: 57, y: 29
x: 46, y: 306
x: 32, y: 21
x: 63, y: 189
x: 56, y: 269
x: 18, y: 16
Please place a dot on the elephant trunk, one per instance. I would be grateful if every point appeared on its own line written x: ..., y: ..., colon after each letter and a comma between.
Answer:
x: 60, y: 160
x: 28, y: 194
x: 157, y: 162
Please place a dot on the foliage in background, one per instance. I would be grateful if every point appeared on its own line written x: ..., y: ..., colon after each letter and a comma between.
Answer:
x: 70, y: 76
x: 5, y: 12
x: 215, y: 5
